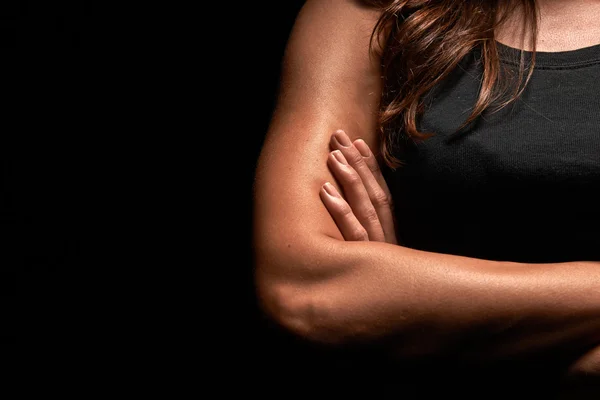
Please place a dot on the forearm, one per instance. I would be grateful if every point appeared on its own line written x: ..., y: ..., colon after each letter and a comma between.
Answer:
x: 431, y: 304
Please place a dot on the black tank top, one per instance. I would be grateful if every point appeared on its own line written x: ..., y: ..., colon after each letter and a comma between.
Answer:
x: 522, y: 184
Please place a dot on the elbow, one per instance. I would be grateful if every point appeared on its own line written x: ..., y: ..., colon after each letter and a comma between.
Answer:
x: 301, y: 310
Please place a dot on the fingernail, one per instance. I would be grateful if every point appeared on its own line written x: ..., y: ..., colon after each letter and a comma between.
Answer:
x: 330, y: 189
x: 343, y: 139
x: 340, y: 157
x: 362, y: 147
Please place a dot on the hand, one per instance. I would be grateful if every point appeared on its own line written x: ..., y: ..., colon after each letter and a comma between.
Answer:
x: 364, y: 211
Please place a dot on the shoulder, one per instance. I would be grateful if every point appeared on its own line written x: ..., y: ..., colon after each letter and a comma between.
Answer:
x: 329, y: 62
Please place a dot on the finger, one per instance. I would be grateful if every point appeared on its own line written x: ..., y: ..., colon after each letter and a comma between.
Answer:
x: 342, y: 214
x: 356, y: 195
x: 371, y: 161
x: 367, y: 168
x: 383, y: 204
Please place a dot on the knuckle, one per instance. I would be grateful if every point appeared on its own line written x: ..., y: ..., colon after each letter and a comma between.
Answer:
x: 352, y: 178
x: 359, y: 234
x: 354, y: 158
x: 373, y: 166
x: 371, y: 215
x: 381, y: 199
x: 345, y: 209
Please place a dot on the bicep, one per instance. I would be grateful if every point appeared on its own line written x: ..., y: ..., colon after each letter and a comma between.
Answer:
x: 330, y: 80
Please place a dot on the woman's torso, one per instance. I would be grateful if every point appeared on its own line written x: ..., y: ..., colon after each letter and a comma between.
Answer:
x: 522, y: 184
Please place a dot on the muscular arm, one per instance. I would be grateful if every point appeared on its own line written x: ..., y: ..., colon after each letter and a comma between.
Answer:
x: 326, y: 289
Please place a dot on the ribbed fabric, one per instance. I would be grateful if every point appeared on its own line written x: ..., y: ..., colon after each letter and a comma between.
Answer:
x: 521, y: 184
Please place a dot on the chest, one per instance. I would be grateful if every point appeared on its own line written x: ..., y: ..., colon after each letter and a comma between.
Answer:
x: 550, y: 135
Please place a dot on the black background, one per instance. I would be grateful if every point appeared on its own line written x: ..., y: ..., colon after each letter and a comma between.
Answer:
x: 97, y: 126
x: 265, y: 350
x: 42, y: 145
x: 105, y: 253
x: 100, y: 162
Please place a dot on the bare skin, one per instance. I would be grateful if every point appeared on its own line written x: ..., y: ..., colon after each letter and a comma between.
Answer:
x: 318, y: 275
x: 564, y: 25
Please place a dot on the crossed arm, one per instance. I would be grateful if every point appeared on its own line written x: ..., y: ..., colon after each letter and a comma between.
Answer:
x: 363, y: 212
x: 316, y: 278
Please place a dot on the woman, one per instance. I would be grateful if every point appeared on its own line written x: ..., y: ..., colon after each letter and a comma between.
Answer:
x: 471, y: 246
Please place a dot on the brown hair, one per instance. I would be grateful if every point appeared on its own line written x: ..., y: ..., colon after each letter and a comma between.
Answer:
x: 423, y: 41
